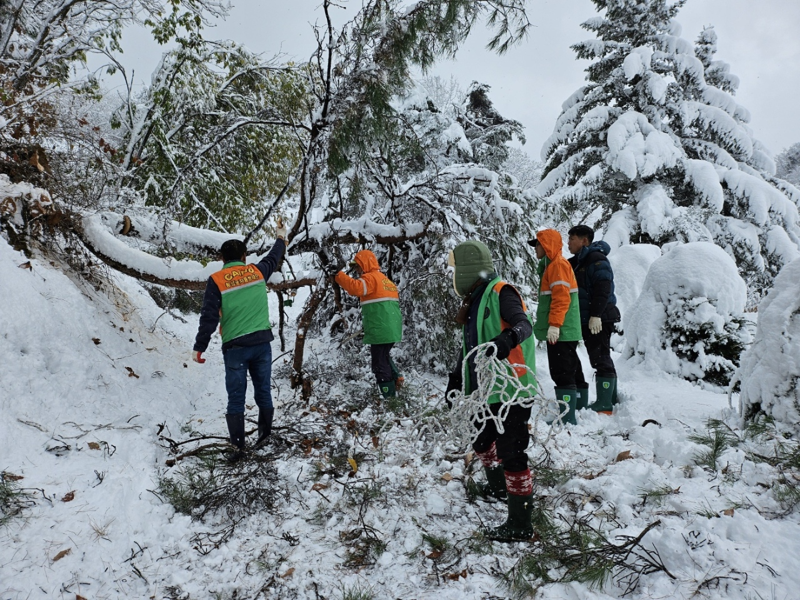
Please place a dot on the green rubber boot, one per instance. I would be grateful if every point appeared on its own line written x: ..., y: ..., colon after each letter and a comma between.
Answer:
x: 605, y: 392
x: 495, y: 486
x: 614, y: 399
x: 387, y: 388
x: 570, y: 396
x: 517, y: 527
x: 583, y: 398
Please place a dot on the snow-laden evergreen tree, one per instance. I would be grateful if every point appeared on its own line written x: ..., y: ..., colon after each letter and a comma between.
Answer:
x: 655, y: 148
x: 486, y: 129
x: 770, y: 373
x: 689, y: 318
x: 788, y: 163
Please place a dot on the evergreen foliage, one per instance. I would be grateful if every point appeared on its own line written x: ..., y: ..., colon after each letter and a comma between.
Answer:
x: 691, y: 322
x: 788, y: 164
x: 655, y: 149
x: 217, y: 133
x: 415, y: 179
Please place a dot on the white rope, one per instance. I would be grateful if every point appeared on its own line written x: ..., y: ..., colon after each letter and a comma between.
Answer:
x: 467, y: 415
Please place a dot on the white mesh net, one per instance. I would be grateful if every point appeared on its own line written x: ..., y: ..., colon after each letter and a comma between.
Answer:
x: 467, y: 415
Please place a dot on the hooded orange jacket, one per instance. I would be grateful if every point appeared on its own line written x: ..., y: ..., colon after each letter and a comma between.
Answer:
x: 558, y: 291
x: 380, y: 302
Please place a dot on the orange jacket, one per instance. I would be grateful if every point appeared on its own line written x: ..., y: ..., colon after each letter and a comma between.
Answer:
x: 372, y: 285
x: 380, y: 302
x: 558, y: 285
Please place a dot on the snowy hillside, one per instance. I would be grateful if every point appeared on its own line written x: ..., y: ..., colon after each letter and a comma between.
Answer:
x: 100, y: 406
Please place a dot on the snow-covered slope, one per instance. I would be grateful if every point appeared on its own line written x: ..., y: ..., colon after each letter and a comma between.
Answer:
x: 89, y: 378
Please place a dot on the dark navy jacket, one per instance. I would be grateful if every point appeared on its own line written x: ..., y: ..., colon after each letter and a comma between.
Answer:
x: 595, y: 283
x: 212, y: 303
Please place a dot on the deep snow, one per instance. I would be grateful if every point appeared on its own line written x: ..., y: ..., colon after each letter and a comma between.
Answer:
x: 89, y: 375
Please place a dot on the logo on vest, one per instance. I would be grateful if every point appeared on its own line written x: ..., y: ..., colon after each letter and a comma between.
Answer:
x: 241, y: 276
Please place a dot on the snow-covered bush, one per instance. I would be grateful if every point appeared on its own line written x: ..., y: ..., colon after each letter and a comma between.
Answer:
x: 689, y: 318
x: 770, y: 373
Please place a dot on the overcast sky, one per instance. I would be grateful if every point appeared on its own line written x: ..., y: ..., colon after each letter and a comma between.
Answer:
x: 758, y: 38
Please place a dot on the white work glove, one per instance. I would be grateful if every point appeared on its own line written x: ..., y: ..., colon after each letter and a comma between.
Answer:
x: 198, y: 357
x: 552, y: 334
x: 595, y: 325
x: 280, y: 231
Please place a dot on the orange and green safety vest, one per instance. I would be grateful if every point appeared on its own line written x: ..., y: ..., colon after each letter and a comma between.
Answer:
x: 245, y: 308
x: 490, y: 324
x: 380, y: 302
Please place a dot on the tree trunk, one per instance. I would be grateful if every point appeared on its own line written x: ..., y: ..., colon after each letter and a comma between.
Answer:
x: 298, y: 377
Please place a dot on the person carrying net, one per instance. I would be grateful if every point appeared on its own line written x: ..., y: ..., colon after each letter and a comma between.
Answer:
x: 493, y: 311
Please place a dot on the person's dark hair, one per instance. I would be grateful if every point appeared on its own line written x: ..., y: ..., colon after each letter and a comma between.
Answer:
x: 233, y: 250
x: 583, y: 231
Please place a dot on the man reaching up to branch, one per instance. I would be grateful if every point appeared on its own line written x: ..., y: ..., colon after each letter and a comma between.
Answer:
x: 380, y: 313
x: 236, y: 299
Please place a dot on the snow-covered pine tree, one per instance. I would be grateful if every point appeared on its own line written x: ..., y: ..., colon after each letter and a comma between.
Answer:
x: 655, y: 153
x: 486, y: 129
x: 788, y: 163
x: 770, y: 373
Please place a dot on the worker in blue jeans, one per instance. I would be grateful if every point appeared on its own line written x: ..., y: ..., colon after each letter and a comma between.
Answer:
x: 236, y: 298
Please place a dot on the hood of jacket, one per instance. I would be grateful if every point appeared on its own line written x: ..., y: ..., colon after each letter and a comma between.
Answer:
x: 367, y: 261
x: 552, y: 243
x: 598, y: 246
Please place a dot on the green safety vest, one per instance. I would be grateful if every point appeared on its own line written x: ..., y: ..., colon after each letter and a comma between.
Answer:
x: 245, y: 308
x: 490, y: 325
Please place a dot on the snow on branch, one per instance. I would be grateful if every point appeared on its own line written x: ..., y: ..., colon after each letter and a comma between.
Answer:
x: 96, y: 233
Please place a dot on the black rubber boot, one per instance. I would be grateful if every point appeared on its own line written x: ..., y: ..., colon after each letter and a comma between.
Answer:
x: 517, y: 527
x: 495, y: 486
x: 236, y: 432
x: 264, y: 426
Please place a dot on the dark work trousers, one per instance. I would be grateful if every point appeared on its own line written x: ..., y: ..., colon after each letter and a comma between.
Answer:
x: 564, y: 363
x: 381, y: 362
x: 239, y: 360
x: 511, y: 444
x: 599, y: 349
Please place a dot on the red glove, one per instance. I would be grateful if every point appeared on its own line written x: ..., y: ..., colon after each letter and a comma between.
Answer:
x: 198, y: 357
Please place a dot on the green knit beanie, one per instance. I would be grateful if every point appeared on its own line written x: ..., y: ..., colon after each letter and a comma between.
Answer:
x: 473, y: 261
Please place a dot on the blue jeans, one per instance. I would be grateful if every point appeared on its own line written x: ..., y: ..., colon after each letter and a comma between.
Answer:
x: 238, y: 361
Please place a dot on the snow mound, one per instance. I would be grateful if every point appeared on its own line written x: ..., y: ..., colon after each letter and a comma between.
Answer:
x: 630, y: 264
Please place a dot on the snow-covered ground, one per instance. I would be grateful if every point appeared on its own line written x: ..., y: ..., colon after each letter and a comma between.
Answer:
x: 93, y: 382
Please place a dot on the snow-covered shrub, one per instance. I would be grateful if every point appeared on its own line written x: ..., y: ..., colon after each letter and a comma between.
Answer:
x: 689, y: 318
x: 770, y: 373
